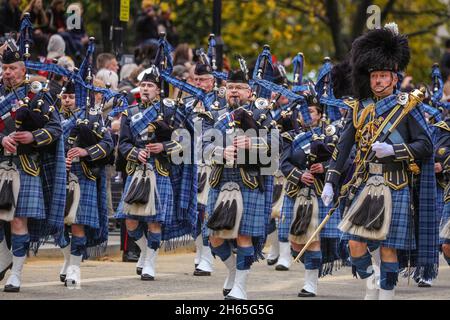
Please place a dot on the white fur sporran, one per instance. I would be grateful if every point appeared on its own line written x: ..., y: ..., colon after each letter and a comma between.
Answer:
x: 73, y: 186
x: 149, y: 208
x: 306, y: 198
x: 376, y: 197
x: 9, y: 174
x: 204, y: 171
x: 230, y: 192
x: 279, y: 191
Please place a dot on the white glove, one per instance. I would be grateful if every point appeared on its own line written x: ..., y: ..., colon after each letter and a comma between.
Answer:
x: 327, y: 194
x: 383, y: 149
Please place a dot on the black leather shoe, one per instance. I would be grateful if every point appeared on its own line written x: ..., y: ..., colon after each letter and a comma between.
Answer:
x: 424, y: 284
x: 280, y: 267
x: 11, y: 288
x: 228, y: 297
x: 196, y: 265
x: 305, y: 294
x: 225, y: 292
x: 201, y: 273
x: 271, y: 262
x: 2, y: 274
x: 62, y: 277
x: 138, y: 271
x: 147, y: 277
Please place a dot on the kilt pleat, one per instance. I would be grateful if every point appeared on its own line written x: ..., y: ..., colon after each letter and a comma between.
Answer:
x: 87, y: 213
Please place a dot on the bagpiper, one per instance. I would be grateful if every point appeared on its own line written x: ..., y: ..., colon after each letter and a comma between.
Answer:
x: 239, y: 202
x: 147, y: 203
x: 392, y: 140
x: 304, y: 163
x: 203, y: 79
x: 88, y: 147
x: 32, y: 167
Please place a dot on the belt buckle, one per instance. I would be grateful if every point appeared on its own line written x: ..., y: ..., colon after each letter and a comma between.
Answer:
x: 375, y: 168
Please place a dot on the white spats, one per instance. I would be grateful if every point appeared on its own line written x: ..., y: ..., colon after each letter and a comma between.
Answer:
x: 207, y: 260
x: 230, y: 263
x: 148, y: 272
x: 198, y: 249
x: 142, y: 244
x: 386, y: 294
x: 285, y: 255
x: 66, y: 253
x: 6, y: 257
x: 239, y: 290
x: 274, y: 252
x: 372, y: 288
x: 73, y: 277
x: 15, y: 277
x: 311, y: 279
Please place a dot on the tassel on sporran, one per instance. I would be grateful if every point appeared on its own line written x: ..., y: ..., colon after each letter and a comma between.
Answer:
x: 369, y: 216
x: 228, y: 210
x: 9, y: 188
x: 73, y: 194
x: 204, y: 172
x: 278, y: 195
x: 305, y: 218
x: 142, y: 194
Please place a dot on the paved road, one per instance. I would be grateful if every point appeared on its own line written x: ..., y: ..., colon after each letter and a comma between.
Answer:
x: 112, y: 279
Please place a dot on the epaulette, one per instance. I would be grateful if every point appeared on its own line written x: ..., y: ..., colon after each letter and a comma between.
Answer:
x: 443, y: 125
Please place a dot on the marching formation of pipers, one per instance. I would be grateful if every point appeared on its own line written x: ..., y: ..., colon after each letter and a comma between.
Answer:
x: 346, y: 170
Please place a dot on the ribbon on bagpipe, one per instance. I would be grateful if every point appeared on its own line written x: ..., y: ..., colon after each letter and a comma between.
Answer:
x: 325, y: 91
x: 80, y: 90
x: 438, y: 89
x: 26, y: 34
x: 291, y: 96
x: 267, y: 73
x: 212, y: 56
x: 164, y: 53
x: 298, y: 63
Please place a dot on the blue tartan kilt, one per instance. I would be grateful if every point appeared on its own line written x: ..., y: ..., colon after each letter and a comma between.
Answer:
x: 401, y: 235
x: 255, y: 215
x: 444, y: 220
x: 30, y: 201
x: 164, y: 206
x: 284, y: 223
x: 87, y: 213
